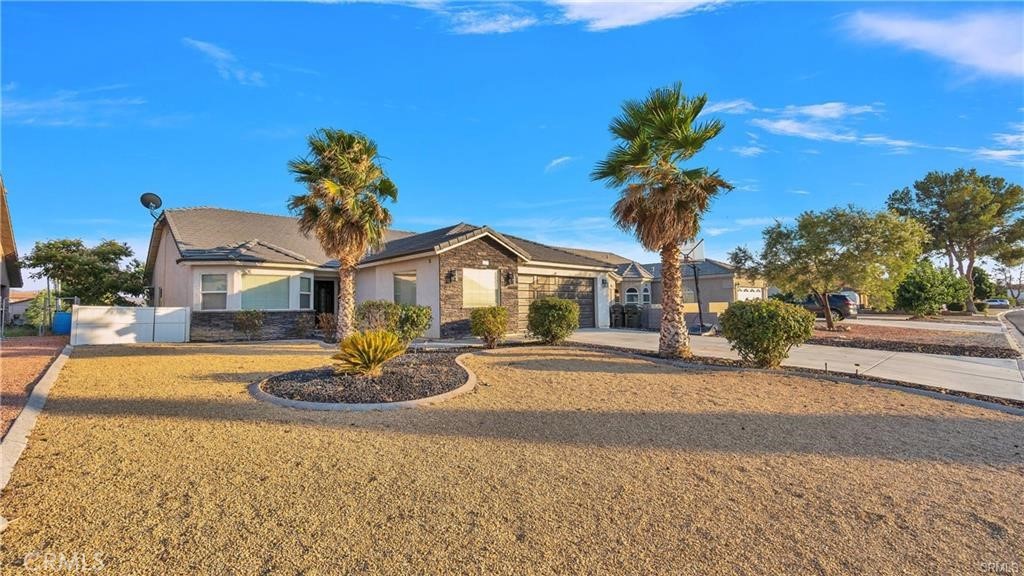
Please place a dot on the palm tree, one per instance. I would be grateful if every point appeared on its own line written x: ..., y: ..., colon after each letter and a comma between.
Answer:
x: 661, y: 203
x: 343, y: 205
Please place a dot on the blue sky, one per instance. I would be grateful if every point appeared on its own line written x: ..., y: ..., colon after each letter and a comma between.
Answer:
x: 494, y: 113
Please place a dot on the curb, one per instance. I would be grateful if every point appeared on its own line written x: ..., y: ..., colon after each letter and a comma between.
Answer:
x: 16, y: 440
x: 1012, y: 333
x: 256, y: 392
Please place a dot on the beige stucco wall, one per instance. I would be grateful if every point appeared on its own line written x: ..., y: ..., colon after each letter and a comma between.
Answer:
x: 378, y: 283
x: 173, y: 280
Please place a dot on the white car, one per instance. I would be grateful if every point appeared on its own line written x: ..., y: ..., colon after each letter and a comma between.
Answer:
x: 998, y: 303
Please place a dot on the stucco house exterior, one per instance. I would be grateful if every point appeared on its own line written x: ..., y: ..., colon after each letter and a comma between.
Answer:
x: 10, y: 268
x: 218, y: 262
x: 719, y: 283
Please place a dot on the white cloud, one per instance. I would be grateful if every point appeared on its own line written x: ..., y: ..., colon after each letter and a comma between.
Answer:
x: 10, y: 87
x: 803, y: 129
x: 719, y: 231
x: 1014, y: 139
x: 91, y: 107
x: 762, y: 221
x: 226, y: 63
x: 989, y: 43
x: 799, y: 192
x: 1011, y: 147
x: 605, y: 15
x: 748, y: 151
x: 738, y: 106
x: 828, y: 110
x: 483, y: 22
x: 560, y: 161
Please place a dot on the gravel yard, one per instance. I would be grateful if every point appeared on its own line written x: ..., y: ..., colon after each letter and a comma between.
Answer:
x: 897, y: 339
x: 562, y: 462
x: 22, y: 361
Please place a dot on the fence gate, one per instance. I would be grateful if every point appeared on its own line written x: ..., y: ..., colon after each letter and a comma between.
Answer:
x: 128, y: 324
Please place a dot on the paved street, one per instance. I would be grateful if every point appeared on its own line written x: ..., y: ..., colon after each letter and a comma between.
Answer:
x: 990, y: 376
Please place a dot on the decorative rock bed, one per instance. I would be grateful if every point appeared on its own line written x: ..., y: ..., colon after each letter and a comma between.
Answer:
x: 409, y: 380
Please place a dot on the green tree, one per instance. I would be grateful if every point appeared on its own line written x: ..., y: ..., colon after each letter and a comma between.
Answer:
x: 927, y: 289
x: 343, y: 206
x: 984, y: 287
x: 968, y: 216
x: 660, y: 201
x: 106, y: 274
x: 823, y: 251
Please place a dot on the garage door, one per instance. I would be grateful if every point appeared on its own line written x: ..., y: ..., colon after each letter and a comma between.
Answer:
x: 579, y: 290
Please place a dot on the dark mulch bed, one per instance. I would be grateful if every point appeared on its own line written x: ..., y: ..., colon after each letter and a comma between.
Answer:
x: 411, y: 376
x: 900, y: 339
x: 892, y: 346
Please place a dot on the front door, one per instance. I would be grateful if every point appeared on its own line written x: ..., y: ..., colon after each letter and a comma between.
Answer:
x: 323, y: 297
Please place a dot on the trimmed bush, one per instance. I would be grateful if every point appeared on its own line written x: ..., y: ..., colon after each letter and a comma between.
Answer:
x: 407, y: 321
x: 763, y: 331
x: 955, y: 306
x: 981, y: 306
x: 366, y: 353
x: 553, y: 319
x: 490, y: 324
x: 249, y: 322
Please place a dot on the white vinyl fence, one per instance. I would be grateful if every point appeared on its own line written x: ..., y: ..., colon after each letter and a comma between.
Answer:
x: 128, y: 324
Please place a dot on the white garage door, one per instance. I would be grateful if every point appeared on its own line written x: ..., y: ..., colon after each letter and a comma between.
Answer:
x: 128, y: 324
x: 748, y: 293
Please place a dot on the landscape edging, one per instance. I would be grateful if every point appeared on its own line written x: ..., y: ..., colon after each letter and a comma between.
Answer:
x: 257, y: 392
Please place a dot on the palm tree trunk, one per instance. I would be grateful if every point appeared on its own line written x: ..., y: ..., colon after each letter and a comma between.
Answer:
x: 346, y: 301
x: 674, y: 341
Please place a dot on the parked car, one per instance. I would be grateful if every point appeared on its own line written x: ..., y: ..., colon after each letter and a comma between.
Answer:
x: 841, y: 305
x: 998, y: 303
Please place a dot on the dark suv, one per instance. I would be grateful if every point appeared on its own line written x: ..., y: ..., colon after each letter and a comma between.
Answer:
x: 841, y: 306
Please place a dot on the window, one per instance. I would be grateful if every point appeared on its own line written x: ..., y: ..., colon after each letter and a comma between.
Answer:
x: 264, y: 292
x: 688, y: 295
x: 305, y: 292
x: 645, y: 295
x: 631, y: 296
x: 405, y: 288
x: 479, y: 288
x: 213, y: 292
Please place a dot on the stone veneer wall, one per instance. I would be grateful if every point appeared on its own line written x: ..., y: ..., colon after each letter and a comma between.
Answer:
x: 219, y: 326
x: 455, y: 318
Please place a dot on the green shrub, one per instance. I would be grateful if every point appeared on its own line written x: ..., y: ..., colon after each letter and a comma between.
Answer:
x: 413, y: 322
x: 553, y: 319
x: 366, y: 353
x: 927, y: 288
x: 304, y: 326
x: 763, y: 331
x: 981, y: 306
x: 490, y: 324
x: 955, y: 306
x: 249, y: 322
x: 407, y: 321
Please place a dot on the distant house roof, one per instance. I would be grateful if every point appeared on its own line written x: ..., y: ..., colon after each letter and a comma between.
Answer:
x: 438, y: 240
x: 632, y: 270
x: 7, y: 245
x: 706, y: 267
x: 215, y: 234
x: 21, y: 296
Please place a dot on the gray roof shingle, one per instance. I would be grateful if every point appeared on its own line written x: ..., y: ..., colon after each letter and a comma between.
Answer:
x: 706, y: 267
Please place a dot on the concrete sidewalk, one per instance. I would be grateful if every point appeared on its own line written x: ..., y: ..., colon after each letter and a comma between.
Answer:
x: 998, y: 377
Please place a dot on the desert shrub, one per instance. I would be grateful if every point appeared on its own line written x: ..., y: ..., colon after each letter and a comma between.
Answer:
x: 490, y: 324
x: 763, y: 331
x: 407, y: 321
x: 927, y: 288
x: 377, y: 315
x: 955, y: 306
x: 981, y: 306
x: 304, y: 326
x: 413, y: 322
x: 553, y: 319
x: 366, y: 353
x: 787, y: 297
x: 328, y: 324
x: 249, y: 322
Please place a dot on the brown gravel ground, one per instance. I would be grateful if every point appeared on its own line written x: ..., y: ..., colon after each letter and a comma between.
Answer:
x: 563, y: 461
x: 896, y: 339
x: 22, y: 361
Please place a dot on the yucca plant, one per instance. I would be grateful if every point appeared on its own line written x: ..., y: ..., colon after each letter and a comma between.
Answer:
x: 366, y: 353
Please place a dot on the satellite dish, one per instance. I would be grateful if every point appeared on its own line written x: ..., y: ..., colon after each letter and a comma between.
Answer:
x: 151, y: 201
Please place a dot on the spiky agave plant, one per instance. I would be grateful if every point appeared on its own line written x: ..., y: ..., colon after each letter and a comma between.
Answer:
x: 365, y: 353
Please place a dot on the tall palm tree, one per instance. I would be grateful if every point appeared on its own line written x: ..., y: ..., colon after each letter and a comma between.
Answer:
x: 661, y: 203
x: 343, y: 205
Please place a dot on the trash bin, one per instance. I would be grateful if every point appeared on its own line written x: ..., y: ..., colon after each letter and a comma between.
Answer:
x: 62, y: 323
x: 617, y: 319
x: 650, y: 319
x: 632, y: 316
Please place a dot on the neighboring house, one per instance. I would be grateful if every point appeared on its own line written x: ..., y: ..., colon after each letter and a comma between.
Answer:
x: 629, y: 284
x: 10, y: 269
x: 718, y: 283
x: 218, y: 262
x: 17, y: 305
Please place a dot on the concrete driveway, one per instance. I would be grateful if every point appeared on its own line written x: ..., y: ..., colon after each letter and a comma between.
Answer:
x: 998, y: 377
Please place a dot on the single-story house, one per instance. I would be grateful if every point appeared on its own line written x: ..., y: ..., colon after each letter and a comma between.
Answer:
x: 17, y: 305
x: 217, y: 262
x: 718, y: 282
x: 10, y: 268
